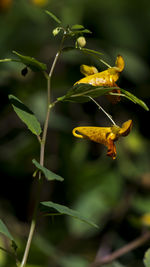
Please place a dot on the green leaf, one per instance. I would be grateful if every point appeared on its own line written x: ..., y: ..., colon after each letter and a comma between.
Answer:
x: 91, y: 52
x: 48, y: 174
x: 53, y: 16
x: 134, y: 99
x: 82, y: 92
x: 7, y: 60
x: 25, y: 115
x: 77, y: 27
x: 4, y: 230
x: 147, y: 258
x: 31, y: 62
x: 65, y: 210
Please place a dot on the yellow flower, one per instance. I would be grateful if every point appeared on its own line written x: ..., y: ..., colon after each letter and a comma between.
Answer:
x: 40, y: 2
x: 145, y: 219
x: 104, y: 78
x: 5, y: 4
x: 104, y: 135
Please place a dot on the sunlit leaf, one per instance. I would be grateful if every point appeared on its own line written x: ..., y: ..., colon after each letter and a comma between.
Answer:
x: 82, y: 92
x: 49, y: 175
x: 7, y: 60
x: 49, y: 205
x: 147, y: 258
x: 53, y: 16
x: 26, y: 115
x: 77, y: 27
x: 4, y: 230
x: 31, y: 62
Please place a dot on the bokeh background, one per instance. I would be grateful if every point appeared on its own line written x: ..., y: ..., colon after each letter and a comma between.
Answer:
x: 113, y: 194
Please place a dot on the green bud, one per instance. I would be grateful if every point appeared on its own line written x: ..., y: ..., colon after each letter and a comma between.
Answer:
x: 81, y: 41
x: 56, y: 31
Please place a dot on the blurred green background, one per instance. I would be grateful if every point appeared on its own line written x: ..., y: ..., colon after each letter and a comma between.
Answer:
x: 113, y: 194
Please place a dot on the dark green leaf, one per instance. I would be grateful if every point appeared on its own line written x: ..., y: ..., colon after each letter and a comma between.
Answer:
x: 53, y: 16
x: 4, y: 230
x: 25, y: 115
x: 48, y: 174
x: 82, y: 92
x: 134, y: 99
x: 91, y: 52
x: 48, y: 205
x: 147, y: 258
x: 31, y: 62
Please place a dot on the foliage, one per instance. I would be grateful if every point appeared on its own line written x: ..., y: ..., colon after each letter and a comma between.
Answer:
x: 113, y: 195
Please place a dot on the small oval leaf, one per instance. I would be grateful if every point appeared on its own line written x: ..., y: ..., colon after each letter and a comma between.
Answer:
x: 49, y: 175
x: 49, y: 205
x: 26, y: 115
x: 77, y: 27
x: 31, y: 62
x: 4, y: 230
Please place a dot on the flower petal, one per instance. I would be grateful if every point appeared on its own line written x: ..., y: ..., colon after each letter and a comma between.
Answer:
x: 126, y: 128
x: 88, y: 70
x: 111, y: 149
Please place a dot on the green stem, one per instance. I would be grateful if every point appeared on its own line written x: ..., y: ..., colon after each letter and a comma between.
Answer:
x: 42, y: 156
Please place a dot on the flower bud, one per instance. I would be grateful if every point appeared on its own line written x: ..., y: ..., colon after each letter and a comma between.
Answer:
x: 81, y: 41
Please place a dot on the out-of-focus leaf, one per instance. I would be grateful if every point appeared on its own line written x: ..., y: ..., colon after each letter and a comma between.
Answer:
x: 96, y: 203
x: 114, y: 264
x: 141, y: 204
x: 31, y: 62
x: 4, y: 230
x: 26, y: 115
x: 147, y: 258
x: 49, y: 205
x: 82, y: 92
x: 49, y: 175
x: 53, y: 16
x: 73, y: 261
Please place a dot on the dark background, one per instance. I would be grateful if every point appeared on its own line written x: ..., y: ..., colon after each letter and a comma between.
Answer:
x: 113, y: 194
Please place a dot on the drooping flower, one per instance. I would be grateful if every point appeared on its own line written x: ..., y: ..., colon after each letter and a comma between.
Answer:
x: 104, y: 78
x: 104, y: 135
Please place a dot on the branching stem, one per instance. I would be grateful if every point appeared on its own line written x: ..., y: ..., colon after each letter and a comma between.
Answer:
x: 120, y: 252
x: 42, y: 155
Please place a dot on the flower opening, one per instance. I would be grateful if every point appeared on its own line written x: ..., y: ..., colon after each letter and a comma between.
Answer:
x: 104, y: 135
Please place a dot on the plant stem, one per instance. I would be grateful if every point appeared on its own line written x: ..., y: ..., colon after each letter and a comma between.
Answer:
x: 100, y: 107
x: 118, y: 253
x: 42, y: 156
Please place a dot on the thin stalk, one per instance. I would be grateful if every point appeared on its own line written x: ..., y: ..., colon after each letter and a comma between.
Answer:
x: 120, y: 252
x: 100, y: 107
x: 42, y: 157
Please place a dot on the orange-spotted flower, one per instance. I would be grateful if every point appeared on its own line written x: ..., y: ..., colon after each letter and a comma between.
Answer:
x: 104, y: 78
x: 104, y: 135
